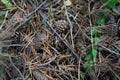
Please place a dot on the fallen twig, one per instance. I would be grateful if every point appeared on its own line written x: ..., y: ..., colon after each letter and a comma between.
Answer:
x: 16, y: 68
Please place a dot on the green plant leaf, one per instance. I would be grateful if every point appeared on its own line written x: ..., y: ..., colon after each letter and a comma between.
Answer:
x: 92, y: 72
x: 88, y: 64
x: 82, y: 75
x: 4, y: 1
x: 7, y: 4
x: 111, y: 3
x: 85, y: 65
x: 101, y: 22
x: 94, y: 53
x: 88, y: 57
x: 94, y: 32
x: 104, y: 1
x: 95, y: 40
x: 103, y: 16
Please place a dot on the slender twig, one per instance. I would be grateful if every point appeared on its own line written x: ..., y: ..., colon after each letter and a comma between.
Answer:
x: 90, y: 22
x: 10, y: 25
x: 79, y: 69
x: 12, y: 45
x: 107, y: 49
x: 16, y: 68
x: 91, y: 34
x: 51, y: 60
x: 117, y: 76
x: 70, y: 24
x: 22, y: 22
x: 37, y: 8
x: 51, y: 69
x: 4, y: 20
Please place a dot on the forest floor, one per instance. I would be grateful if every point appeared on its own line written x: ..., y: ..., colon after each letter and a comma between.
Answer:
x: 59, y: 40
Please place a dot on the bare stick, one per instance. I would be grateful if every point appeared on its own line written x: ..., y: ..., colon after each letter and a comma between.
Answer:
x: 16, y: 68
x: 70, y: 24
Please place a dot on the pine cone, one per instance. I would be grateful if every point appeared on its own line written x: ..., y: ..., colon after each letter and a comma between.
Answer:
x: 61, y: 26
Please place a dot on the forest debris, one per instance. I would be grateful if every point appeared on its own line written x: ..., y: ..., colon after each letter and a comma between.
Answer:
x: 5, y: 34
x: 68, y: 3
x: 61, y: 26
x: 39, y: 76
